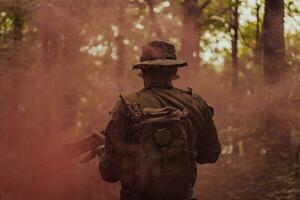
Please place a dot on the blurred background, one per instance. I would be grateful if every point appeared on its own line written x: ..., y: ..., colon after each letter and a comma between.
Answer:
x: 63, y: 64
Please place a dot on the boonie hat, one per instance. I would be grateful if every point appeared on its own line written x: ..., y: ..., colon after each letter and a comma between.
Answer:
x: 159, y: 53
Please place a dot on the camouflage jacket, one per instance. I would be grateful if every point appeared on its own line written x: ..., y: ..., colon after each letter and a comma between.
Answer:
x: 204, y: 135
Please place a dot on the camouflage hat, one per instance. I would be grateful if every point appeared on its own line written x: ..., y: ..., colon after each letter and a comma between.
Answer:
x: 159, y: 53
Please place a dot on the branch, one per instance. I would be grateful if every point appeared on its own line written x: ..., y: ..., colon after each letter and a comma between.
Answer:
x: 204, y: 5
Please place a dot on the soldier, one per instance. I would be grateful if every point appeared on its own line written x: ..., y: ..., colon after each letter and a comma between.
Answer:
x: 158, y: 134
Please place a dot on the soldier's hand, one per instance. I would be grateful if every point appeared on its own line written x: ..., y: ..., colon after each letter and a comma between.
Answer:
x: 99, y: 151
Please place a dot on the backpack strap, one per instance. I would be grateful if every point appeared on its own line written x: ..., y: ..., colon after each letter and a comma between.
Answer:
x: 130, y: 98
x: 189, y: 91
x: 182, y: 103
x: 131, y: 105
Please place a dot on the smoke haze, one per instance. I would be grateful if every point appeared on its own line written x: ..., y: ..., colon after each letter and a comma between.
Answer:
x: 61, y: 78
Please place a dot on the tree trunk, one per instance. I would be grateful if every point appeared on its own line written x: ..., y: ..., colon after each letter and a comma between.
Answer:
x: 155, y: 28
x: 273, y: 41
x: 18, y: 24
x: 274, y: 68
x: 190, y: 39
x: 121, y: 48
x: 61, y: 59
x: 234, y: 45
x: 14, y: 121
x: 190, y: 34
x: 257, y: 51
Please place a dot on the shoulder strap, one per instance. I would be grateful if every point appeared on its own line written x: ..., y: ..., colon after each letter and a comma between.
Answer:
x: 189, y: 91
x: 130, y: 103
x: 182, y: 103
x: 131, y: 97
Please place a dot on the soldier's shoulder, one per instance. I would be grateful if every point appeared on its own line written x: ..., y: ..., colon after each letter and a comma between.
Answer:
x: 190, y: 93
x: 201, y: 104
x: 133, y: 96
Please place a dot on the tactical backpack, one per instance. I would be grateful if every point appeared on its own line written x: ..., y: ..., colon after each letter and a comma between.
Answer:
x: 163, y: 156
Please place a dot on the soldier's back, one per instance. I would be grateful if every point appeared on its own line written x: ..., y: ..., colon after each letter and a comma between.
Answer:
x: 163, y: 130
x: 157, y: 97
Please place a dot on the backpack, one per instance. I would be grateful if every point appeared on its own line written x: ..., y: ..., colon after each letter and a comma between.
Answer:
x: 163, y: 158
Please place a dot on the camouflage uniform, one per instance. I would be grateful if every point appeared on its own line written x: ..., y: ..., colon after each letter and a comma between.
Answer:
x: 119, y: 159
x: 113, y: 164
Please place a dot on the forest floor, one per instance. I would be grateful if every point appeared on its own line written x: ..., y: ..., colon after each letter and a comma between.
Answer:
x: 249, y: 177
x: 256, y: 174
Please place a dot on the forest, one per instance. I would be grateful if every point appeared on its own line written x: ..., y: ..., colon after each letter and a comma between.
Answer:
x: 63, y: 64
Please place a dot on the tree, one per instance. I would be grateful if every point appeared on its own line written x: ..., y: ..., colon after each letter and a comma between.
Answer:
x: 15, y: 15
x: 234, y: 44
x: 273, y: 41
x: 275, y: 66
x: 154, y: 24
x: 121, y: 48
x: 257, y: 51
x: 191, y: 31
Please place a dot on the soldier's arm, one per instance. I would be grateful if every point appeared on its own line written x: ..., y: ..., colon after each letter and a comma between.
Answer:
x: 208, y: 145
x: 111, y: 161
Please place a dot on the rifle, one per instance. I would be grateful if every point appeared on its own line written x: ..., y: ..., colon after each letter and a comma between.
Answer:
x: 89, y: 147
